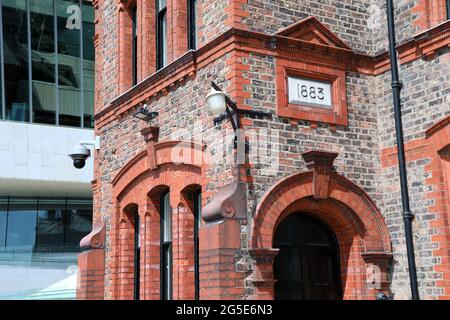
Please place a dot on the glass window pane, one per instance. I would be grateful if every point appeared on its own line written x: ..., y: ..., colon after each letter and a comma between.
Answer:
x: 21, y: 229
x: 134, y: 43
x: 164, y: 40
x: 43, y: 61
x: 69, y: 62
x: 49, y: 230
x: 50, y: 225
x: 161, y: 4
x: 15, y: 55
x: 78, y: 222
x: 198, y: 207
x: 167, y: 218
x: 3, y: 221
x: 88, y: 63
x: 167, y: 272
x: 1, y: 66
x: 137, y: 229
x: 192, y: 38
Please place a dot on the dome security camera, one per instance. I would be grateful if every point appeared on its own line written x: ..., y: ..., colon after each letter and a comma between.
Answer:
x: 80, y: 153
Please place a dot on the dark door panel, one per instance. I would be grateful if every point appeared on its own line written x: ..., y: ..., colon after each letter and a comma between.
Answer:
x: 307, y: 265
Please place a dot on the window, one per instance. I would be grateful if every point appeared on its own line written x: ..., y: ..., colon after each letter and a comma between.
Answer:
x: 197, y: 222
x: 44, y: 224
x: 447, y: 6
x: 3, y: 220
x: 137, y: 255
x: 161, y: 37
x: 21, y: 225
x: 166, y: 247
x: 41, y: 237
x: 47, y: 61
x: 192, y: 24
x: 88, y: 30
x: 15, y: 60
x: 43, y: 68
x: 134, y: 44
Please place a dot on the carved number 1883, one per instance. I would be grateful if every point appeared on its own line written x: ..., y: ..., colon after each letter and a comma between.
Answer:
x: 313, y: 92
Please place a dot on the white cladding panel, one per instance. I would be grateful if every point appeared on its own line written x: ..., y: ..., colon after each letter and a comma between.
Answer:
x: 34, y: 158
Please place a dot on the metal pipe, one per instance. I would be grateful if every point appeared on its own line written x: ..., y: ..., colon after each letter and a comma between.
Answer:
x: 407, y: 215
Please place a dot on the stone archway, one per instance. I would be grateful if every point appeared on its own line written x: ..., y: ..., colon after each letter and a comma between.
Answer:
x: 365, y: 248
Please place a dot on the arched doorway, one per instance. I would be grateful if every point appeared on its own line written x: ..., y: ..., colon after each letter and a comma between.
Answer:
x: 307, y: 265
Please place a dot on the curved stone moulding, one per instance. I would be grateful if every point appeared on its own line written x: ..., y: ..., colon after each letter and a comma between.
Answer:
x: 95, y: 239
x: 229, y: 202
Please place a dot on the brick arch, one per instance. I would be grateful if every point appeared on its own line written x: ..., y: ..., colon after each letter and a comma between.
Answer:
x: 362, y: 234
x: 174, y: 165
x: 365, y: 214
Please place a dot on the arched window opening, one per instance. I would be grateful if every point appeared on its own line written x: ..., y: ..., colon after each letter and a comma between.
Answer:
x: 166, y: 246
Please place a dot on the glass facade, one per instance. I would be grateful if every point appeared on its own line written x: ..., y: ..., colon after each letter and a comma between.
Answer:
x: 44, y: 224
x: 39, y: 245
x: 47, y: 62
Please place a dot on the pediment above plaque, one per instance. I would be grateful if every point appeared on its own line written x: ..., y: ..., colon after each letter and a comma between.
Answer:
x: 311, y: 71
x: 313, y: 31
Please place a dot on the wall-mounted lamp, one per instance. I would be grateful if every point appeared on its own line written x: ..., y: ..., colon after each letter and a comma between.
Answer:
x: 218, y: 103
x: 142, y: 113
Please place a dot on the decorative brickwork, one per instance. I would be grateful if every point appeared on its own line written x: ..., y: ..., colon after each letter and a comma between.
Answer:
x: 430, y: 12
x: 339, y: 165
x: 357, y: 223
x: 138, y: 187
x: 432, y: 152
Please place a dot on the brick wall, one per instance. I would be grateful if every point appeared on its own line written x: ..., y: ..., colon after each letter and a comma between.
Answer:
x: 347, y: 18
x: 249, y: 77
x: 424, y: 98
x: 424, y: 102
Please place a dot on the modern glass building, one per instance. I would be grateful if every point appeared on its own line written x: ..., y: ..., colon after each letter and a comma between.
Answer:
x: 47, y: 59
x: 46, y: 107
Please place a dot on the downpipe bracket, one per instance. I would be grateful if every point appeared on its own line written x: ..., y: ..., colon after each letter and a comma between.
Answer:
x: 397, y: 84
x: 408, y: 216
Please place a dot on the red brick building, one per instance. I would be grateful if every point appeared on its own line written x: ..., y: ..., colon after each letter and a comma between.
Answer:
x: 313, y: 209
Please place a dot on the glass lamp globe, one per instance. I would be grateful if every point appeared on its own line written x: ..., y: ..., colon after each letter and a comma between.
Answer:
x: 216, y: 102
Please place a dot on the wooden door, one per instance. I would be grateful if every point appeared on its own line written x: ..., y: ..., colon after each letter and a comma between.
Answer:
x: 307, y: 265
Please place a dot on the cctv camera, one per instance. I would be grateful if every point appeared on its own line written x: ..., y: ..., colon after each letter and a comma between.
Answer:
x: 79, y: 155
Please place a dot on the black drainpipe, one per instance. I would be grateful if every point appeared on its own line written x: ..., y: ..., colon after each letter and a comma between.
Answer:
x: 407, y: 215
